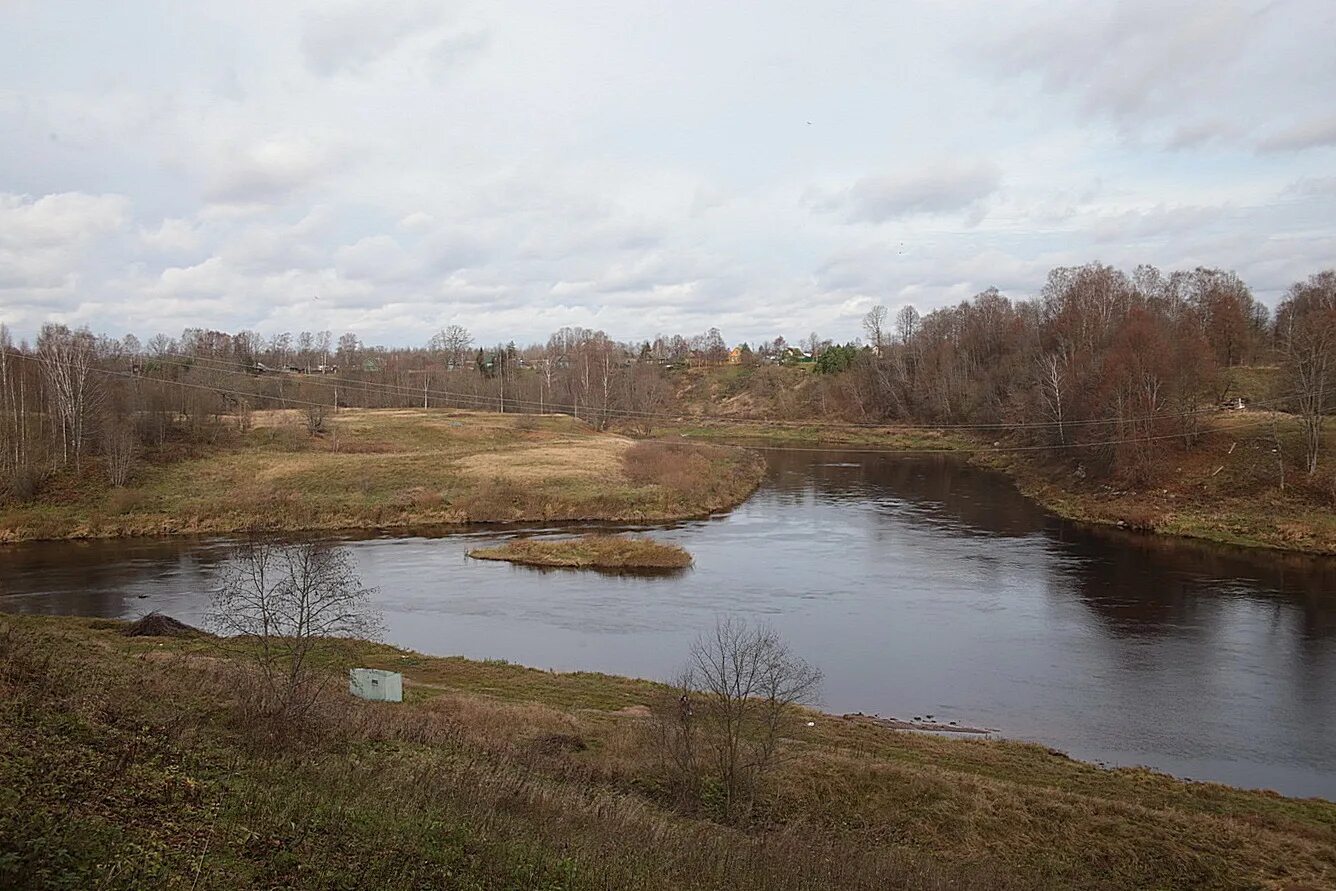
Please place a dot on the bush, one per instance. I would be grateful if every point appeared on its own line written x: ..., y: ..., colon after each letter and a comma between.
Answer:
x: 737, y: 699
x: 124, y: 501
x: 682, y: 467
x: 120, y: 450
x: 25, y: 484
x: 315, y: 418
x: 498, y: 500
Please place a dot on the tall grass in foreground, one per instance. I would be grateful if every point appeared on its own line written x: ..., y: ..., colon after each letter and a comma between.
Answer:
x: 131, y: 762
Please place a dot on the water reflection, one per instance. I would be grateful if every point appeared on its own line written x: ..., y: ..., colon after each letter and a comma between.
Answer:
x: 919, y: 585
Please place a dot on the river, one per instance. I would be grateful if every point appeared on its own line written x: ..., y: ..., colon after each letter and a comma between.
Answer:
x: 920, y: 586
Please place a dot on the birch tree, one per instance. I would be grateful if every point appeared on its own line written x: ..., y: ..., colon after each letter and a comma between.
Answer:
x: 282, y: 600
x: 67, y: 362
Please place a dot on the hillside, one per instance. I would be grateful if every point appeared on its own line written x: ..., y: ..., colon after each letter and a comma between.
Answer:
x: 129, y: 762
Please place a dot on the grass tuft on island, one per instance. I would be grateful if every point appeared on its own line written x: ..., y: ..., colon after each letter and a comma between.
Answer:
x: 606, y: 552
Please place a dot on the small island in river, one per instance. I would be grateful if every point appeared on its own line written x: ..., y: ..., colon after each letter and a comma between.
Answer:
x: 613, y: 552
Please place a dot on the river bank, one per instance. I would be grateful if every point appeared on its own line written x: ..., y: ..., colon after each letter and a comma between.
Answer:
x: 1227, y: 489
x: 379, y: 469
x: 133, y: 760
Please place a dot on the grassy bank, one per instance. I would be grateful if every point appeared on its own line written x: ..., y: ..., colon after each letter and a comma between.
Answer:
x: 609, y: 552
x: 128, y: 762
x: 1225, y: 489
x: 380, y: 469
x: 816, y: 433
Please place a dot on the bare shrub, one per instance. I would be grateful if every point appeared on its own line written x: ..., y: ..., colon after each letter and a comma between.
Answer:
x: 120, y: 450
x: 1145, y: 519
x: 25, y: 483
x: 124, y: 501
x: 423, y: 499
x: 736, y: 699
x: 278, y: 602
x: 315, y: 418
x: 497, y: 500
x: 682, y: 467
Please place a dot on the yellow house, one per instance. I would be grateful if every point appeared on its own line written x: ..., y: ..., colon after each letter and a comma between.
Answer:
x: 735, y: 356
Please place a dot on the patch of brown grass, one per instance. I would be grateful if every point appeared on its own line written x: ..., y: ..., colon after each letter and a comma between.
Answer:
x: 592, y: 459
x: 694, y: 471
x: 589, y: 552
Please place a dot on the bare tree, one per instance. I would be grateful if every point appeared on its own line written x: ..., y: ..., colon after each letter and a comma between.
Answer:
x: 12, y: 439
x: 1306, y: 330
x: 452, y: 342
x: 906, y: 323
x: 323, y: 341
x: 738, y: 697
x: 348, y: 348
x: 283, y: 600
x: 874, y: 323
x: 67, y: 361
x: 120, y: 449
x: 1052, y: 382
x: 813, y: 344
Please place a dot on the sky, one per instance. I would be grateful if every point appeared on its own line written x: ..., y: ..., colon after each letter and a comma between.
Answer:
x: 389, y: 167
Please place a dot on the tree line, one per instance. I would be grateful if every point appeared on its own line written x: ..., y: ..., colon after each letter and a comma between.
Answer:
x: 1117, y: 367
x: 1125, y: 366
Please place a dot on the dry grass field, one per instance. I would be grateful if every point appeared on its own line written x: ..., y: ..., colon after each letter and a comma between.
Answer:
x: 380, y: 469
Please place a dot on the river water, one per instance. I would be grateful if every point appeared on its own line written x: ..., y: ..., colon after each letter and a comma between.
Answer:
x: 921, y: 586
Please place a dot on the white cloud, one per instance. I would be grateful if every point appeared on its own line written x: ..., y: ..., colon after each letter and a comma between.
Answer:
x: 348, y: 36
x: 172, y: 236
x: 268, y: 170
x: 1314, y: 133
x: 454, y: 50
x: 47, y: 243
x: 416, y: 221
x: 939, y: 188
x: 59, y: 219
x: 1184, y: 73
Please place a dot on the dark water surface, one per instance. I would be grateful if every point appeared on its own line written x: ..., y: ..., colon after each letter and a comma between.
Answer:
x: 920, y: 586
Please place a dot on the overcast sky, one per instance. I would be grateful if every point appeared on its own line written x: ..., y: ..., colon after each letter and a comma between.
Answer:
x: 642, y: 167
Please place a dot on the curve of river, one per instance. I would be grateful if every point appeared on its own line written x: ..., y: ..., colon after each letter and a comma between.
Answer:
x: 921, y: 586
